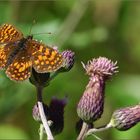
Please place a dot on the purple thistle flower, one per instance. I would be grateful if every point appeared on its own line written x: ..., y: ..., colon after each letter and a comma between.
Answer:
x: 90, y: 106
x: 125, y: 118
x: 101, y: 66
x: 69, y: 57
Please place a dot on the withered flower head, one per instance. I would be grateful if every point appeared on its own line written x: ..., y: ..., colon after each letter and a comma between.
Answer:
x: 101, y: 66
x: 125, y: 118
x: 56, y: 114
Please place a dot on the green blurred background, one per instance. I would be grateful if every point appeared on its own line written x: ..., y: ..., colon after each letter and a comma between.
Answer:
x: 91, y: 28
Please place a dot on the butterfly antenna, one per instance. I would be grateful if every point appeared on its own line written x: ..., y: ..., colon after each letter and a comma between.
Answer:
x: 30, y: 31
x: 42, y: 33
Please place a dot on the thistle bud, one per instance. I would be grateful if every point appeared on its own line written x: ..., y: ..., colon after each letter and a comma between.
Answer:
x: 90, y: 106
x: 68, y: 56
x: 36, y: 114
x: 125, y: 118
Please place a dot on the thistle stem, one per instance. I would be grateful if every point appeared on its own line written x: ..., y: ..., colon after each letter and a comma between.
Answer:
x: 42, y: 114
x: 39, y: 93
x: 94, y: 130
x: 41, y: 133
x: 83, y: 131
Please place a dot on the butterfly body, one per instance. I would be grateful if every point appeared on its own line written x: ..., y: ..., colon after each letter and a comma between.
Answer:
x: 19, y: 46
x: 19, y: 54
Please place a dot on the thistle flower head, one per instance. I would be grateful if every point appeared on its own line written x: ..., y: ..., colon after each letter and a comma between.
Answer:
x: 100, y: 66
x: 90, y: 106
x: 68, y: 56
x: 125, y: 118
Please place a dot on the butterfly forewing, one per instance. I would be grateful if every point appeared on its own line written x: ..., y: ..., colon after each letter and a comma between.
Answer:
x: 20, y: 69
x: 44, y: 58
x: 9, y: 33
x: 5, y: 51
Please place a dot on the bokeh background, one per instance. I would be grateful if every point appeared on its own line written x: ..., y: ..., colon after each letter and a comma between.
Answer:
x: 91, y: 28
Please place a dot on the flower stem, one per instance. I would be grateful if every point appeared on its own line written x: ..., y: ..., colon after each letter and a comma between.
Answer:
x: 44, y: 121
x: 41, y: 133
x: 39, y: 93
x: 42, y: 114
x: 83, y: 131
x: 103, y: 128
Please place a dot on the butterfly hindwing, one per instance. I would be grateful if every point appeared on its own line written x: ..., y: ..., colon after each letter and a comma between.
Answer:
x: 20, y: 68
x: 44, y: 58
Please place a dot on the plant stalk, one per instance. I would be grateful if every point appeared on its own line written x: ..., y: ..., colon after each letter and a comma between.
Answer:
x: 94, y: 130
x: 42, y: 114
x: 83, y: 131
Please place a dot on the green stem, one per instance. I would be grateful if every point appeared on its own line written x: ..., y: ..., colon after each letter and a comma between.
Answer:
x: 42, y: 113
x: 39, y: 93
x: 44, y: 121
x: 41, y: 131
x: 94, y: 130
x: 83, y: 131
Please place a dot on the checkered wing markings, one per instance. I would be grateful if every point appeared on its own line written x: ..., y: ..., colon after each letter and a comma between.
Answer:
x: 4, y: 53
x: 45, y: 59
x: 9, y: 33
x: 20, y: 69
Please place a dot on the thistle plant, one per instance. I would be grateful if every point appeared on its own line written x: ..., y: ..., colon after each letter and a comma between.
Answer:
x: 24, y: 57
x: 91, y: 104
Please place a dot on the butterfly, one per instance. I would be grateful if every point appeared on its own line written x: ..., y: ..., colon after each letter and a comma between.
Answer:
x: 19, y: 54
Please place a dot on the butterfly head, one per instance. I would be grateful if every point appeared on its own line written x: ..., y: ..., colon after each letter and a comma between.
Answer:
x: 29, y: 37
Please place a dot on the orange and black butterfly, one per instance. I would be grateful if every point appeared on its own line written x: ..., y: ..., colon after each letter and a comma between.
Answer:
x: 19, y: 54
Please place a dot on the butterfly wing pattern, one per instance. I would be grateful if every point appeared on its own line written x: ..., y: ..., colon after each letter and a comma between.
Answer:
x: 20, y: 68
x: 5, y: 51
x: 8, y: 33
x: 44, y: 58
x: 34, y: 54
